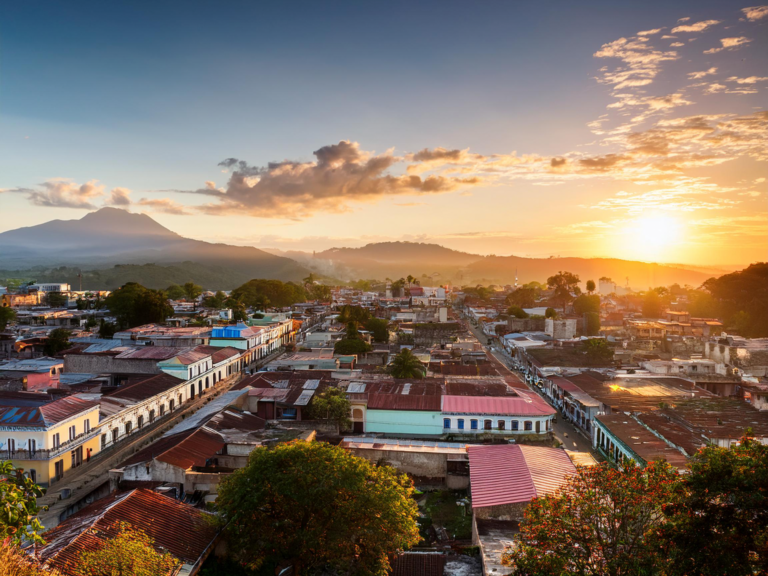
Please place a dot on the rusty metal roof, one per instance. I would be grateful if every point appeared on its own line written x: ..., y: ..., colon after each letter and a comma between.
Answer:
x: 403, y: 402
x: 146, y: 387
x: 179, y: 528
x: 151, y: 352
x: 218, y: 354
x: 193, y: 447
x: 513, y: 473
x: 640, y: 440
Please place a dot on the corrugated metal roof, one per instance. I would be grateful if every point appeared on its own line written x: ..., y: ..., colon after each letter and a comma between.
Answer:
x: 522, y: 405
x: 183, y: 450
x: 311, y: 384
x: 146, y: 388
x: 356, y: 388
x: 45, y: 415
x: 179, y: 528
x: 411, y: 564
x: 151, y: 352
x: 513, y: 473
x: 403, y: 402
x: 304, y: 398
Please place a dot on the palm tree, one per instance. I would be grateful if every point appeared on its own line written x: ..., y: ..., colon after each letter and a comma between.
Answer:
x: 410, y: 280
x: 406, y: 365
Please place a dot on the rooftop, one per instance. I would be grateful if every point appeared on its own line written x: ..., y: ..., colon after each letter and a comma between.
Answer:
x: 45, y: 415
x: 642, y: 441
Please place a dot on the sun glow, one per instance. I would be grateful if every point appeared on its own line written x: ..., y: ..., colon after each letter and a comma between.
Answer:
x: 654, y: 237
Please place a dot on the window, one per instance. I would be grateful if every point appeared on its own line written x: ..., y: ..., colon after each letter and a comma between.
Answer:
x: 32, y: 445
x: 128, y: 427
x: 461, y: 423
x: 56, y: 440
x: 487, y: 425
x: 162, y: 408
x: 140, y: 421
x: 151, y: 416
x: 447, y: 423
x: 115, y: 435
x: 515, y: 425
x: 103, y: 440
x: 528, y: 425
x: 473, y: 424
x: 58, y: 467
x: 538, y: 426
x: 11, y: 446
x: 87, y: 427
x: 191, y: 391
x: 33, y: 475
x: 502, y: 424
x: 72, y: 432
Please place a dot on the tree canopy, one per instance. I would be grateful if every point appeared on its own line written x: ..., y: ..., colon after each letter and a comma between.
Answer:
x: 134, y: 305
x: 175, y: 292
x: 317, y: 506
x: 524, y: 297
x: 56, y: 299
x: 517, y: 312
x: 406, y: 365
x: 58, y: 340
x: 255, y: 292
x: 563, y: 285
x: 598, y: 351
x: 18, y: 506
x: 653, y: 305
x: 332, y: 405
x: 7, y: 315
x: 743, y: 299
x: 192, y: 291
x: 129, y: 553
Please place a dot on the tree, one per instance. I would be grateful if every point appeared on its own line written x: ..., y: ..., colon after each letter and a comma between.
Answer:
x: 590, y: 286
x: 517, y: 312
x: 588, y: 305
x: 601, y: 523
x: 239, y: 312
x: 652, y: 304
x: 719, y: 526
x: 522, y: 297
x: 216, y: 301
x: 332, y: 404
x: 192, y: 291
x: 320, y: 292
x: 309, y: 281
x: 744, y: 291
x: 406, y: 365
x: 57, y: 299
x: 175, y: 292
x: 598, y: 351
x: 349, y: 313
x: 317, y: 506
x: 134, y: 305
x: 563, y: 284
x: 702, y: 304
x: 7, y: 315
x: 378, y: 328
x: 398, y: 287
x: 58, y: 340
x: 106, y: 329
x: 18, y: 506
x: 550, y: 313
x: 129, y: 553
x: 255, y: 293
x: 348, y: 347
x: 15, y: 562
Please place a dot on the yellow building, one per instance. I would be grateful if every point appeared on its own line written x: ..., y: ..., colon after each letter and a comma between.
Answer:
x: 49, y: 440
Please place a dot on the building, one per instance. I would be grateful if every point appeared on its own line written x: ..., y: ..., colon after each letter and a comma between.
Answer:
x: 48, y: 440
x: 563, y: 329
x: 521, y: 414
x: 178, y: 528
x: 50, y: 287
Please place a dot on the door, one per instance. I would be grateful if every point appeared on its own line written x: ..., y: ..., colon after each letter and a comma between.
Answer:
x: 358, y: 427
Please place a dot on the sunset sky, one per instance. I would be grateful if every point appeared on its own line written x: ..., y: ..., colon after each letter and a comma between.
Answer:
x: 625, y: 129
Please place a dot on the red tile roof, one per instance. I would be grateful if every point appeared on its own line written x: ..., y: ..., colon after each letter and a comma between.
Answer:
x: 521, y: 405
x: 513, y: 473
x: 177, y: 527
x: 184, y: 450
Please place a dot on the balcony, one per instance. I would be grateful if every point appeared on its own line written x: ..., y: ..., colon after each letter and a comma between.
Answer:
x: 49, y: 453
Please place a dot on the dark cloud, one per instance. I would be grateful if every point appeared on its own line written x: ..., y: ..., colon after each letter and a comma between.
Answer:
x: 427, y: 155
x: 119, y: 197
x: 602, y: 163
x: 557, y: 162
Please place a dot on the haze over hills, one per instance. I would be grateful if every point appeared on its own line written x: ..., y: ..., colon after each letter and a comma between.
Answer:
x: 117, y: 246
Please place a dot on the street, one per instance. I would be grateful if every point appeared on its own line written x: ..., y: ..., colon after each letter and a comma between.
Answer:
x: 565, y: 432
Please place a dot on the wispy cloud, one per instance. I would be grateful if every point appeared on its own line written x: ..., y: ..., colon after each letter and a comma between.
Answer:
x: 702, y: 73
x: 164, y: 205
x: 755, y: 12
x: 697, y: 27
x: 729, y: 44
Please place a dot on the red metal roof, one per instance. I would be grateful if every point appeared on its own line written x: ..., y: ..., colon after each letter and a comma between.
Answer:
x: 513, y: 473
x: 183, y: 450
x: 403, y: 402
x: 177, y: 527
x: 521, y: 405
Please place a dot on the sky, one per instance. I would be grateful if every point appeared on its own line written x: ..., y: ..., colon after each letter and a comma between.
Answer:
x: 633, y: 129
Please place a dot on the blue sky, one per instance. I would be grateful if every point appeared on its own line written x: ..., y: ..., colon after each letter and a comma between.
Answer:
x: 151, y: 96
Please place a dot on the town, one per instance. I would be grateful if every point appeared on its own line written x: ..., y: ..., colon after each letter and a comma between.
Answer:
x: 136, y: 405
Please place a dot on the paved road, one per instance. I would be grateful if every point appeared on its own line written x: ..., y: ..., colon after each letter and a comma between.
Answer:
x: 565, y: 432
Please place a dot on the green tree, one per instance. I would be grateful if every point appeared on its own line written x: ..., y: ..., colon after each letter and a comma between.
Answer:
x: 7, y: 315
x: 378, y: 328
x: 598, y: 351
x: 106, y: 329
x: 18, y: 506
x: 744, y: 291
x: 588, y: 305
x: 398, y: 287
x: 175, y: 292
x: 550, y: 313
x: 563, y: 285
x: 406, y: 365
x: 58, y: 340
x: 320, y: 507
x: 349, y: 313
x: 320, y: 292
x: 192, y: 291
x: 590, y: 286
x: 134, y: 305
x: 719, y: 526
x: 653, y: 306
x: 517, y: 312
x: 131, y: 552
x: 239, y: 312
x: 702, y: 304
x: 332, y: 404
x: 523, y: 297
x: 349, y: 346
x: 275, y: 292
x: 216, y: 301
x: 57, y: 299
x: 601, y: 523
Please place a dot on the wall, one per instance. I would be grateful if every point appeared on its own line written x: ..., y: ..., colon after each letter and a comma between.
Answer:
x: 502, y: 512
x: 412, y: 422
x: 430, y: 465
x: 98, y: 364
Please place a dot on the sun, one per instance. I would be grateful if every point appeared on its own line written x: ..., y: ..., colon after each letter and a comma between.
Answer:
x: 653, y: 237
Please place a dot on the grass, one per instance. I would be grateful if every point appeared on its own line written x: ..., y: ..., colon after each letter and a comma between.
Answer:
x: 442, y: 508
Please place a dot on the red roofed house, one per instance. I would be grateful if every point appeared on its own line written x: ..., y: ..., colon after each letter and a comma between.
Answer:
x: 523, y: 413
x: 175, y: 527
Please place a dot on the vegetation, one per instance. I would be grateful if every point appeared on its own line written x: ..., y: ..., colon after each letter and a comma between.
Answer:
x: 349, y: 347
x: 134, y: 305
x: 260, y: 294
x: 7, y: 315
x: 56, y: 299
x: 216, y: 301
x: 712, y: 521
x: 742, y: 298
x: 332, y: 405
x: 18, y: 506
x: 406, y: 365
x: 15, y: 562
x: 129, y: 553
x: 175, y: 292
x: 523, y: 297
x: 591, y: 286
x: 563, y: 285
x: 653, y: 305
x: 58, y: 340
x: 598, y: 351
x: 588, y: 305
x: 517, y: 312
x: 107, y: 329
x: 320, y: 507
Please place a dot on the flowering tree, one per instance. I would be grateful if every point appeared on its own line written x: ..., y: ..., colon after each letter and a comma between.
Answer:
x: 603, y: 522
x: 18, y: 506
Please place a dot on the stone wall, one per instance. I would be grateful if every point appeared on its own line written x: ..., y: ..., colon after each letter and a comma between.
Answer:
x: 502, y: 512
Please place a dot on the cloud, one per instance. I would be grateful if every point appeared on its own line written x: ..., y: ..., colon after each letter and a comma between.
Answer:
x: 749, y: 80
x: 119, y: 197
x: 557, y: 162
x: 63, y: 193
x: 729, y: 44
x: 650, y: 32
x: 427, y: 159
x: 755, y: 12
x: 164, y: 205
x: 698, y: 27
x: 681, y: 20
x: 677, y: 44
x: 341, y: 174
x: 702, y: 74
